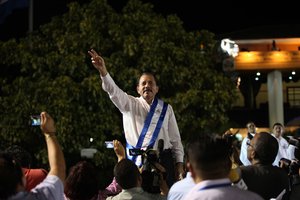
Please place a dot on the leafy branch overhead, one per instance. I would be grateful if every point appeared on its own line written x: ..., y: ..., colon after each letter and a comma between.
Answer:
x: 51, y: 70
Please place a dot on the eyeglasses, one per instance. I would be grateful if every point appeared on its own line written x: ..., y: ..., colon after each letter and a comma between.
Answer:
x: 249, y: 144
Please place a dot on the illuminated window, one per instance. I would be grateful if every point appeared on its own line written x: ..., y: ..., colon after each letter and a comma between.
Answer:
x: 293, y: 96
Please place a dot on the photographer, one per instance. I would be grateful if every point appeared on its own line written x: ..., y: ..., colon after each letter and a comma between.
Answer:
x: 153, y: 173
x: 129, y: 178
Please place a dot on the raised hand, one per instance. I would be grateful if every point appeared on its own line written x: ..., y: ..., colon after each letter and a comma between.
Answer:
x: 98, y: 62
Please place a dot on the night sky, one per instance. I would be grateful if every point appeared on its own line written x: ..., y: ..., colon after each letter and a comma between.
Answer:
x: 216, y: 16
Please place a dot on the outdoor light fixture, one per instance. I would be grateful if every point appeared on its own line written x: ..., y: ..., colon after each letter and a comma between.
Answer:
x: 230, y: 47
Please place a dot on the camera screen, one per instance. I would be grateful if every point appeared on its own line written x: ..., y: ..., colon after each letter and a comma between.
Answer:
x: 135, y: 152
x: 109, y: 144
x: 35, y: 120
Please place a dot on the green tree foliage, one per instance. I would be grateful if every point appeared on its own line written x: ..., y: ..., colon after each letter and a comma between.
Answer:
x: 50, y: 70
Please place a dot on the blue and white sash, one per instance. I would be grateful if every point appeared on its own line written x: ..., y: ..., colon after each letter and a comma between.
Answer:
x: 152, y: 126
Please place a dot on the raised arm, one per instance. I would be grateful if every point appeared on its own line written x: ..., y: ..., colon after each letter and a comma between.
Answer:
x: 55, y: 154
x: 98, y: 62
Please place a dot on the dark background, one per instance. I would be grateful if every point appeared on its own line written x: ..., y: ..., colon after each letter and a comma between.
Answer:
x: 216, y: 16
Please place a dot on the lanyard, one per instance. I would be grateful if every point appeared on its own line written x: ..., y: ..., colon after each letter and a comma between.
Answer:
x: 215, y: 186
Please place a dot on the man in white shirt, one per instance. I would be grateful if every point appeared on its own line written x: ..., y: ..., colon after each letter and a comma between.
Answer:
x: 243, y: 153
x: 285, y: 150
x: 182, y: 187
x: 146, y: 119
x: 210, y: 164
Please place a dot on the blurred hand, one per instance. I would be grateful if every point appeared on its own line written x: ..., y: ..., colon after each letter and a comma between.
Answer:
x: 180, y: 173
x: 47, y: 124
x: 119, y: 150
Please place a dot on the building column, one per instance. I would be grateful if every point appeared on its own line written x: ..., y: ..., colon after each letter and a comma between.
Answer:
x: 275, y: 98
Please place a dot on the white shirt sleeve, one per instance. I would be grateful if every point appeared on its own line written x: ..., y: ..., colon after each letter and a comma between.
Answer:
x: 243, y: 153
x: 175, y: 138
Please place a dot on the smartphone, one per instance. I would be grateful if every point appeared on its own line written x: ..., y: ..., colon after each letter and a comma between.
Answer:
x: 109, y: 144
x: 35, y: 120
x: 136, y: 152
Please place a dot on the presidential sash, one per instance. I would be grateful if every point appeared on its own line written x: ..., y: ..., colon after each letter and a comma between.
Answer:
x: 152, y: 126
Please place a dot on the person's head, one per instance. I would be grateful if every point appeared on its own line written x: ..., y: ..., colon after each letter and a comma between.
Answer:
x: 262, y: 149
x: 20, y: 155
x: 278, y: 129
x: 209, y: 157
x: 82, y: 181
x: 147, y: 86
x: 251, y: 127
x: 11, y: 176
x: 127, y: 174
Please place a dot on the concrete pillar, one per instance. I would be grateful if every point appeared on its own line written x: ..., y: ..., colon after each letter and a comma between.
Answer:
x: 275, y: 98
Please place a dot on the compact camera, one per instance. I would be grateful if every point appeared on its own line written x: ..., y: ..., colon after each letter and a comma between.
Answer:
x: 35, y: 120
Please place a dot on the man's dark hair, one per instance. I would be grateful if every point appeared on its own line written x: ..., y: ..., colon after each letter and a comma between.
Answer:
x: 265, y: 147
x: 82, y: 181
x: 20, y: 155
x: 10, y: 175
x: 277, y: 124
x: 126, y: 174
x: 149, y: 74
x: 210, y: 155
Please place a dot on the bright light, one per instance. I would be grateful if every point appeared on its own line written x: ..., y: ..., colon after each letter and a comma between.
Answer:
x: 230, y: 47
x: 256, y: 78
x: 290, y: 77
x: 258, y: 74
x: 293, y: 73
x: 239, y: 137
x: 91, y: 139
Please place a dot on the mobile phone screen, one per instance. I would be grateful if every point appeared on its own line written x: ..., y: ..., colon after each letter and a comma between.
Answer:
x: 109, y: 144
x: 35, y: 120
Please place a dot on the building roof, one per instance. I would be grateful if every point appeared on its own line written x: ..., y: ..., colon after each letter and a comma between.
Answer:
x: 268, y: 31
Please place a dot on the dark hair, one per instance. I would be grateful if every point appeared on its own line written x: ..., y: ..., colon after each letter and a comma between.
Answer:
x: 265, y: 147
x: 249, y: 122
x: 11, y: 175
x: 126, y: 174
x: 82, y: 182
x: 20, y: 155
x: 210, y: 155
x: 148, y: 73
x: 277, y: 124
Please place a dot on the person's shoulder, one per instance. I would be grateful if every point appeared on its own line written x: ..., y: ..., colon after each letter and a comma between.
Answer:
x: 249, y: 195
x: 284, y: 140
x: 37, y: 172
x: 175, y: 187
x: 249, y: 169
x: 153, y: 196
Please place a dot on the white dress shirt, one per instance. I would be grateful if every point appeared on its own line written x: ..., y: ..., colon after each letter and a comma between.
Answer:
x: 181, y: 188
x: 135, y: 110
x: 243, y: 152
x: 285, y: 150
x: 219, y: 189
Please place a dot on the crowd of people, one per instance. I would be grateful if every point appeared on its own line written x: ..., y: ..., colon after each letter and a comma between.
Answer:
x: 209, y: 166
